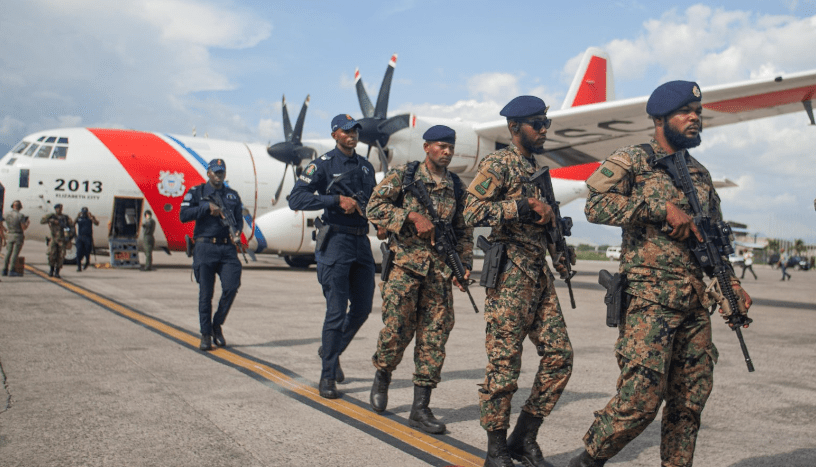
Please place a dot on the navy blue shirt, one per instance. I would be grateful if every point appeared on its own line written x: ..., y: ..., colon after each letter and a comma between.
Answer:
x: 84, y: 226
x: 194, y: 209
x: 309, y: 193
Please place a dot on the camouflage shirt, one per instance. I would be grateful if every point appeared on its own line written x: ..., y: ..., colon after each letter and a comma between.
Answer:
x: 411, y: 252
x: 60, y: 225
x: 502, y: 180
x: 626, y: 191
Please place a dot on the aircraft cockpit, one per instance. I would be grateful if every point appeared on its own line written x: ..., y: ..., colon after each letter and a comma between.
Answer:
x: 46, y: 147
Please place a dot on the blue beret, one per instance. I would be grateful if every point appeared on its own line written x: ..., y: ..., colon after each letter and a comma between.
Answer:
x: 217, y: 164
x: 671, y: 96
x: 524, y: 106
x: 344, y: 122
x: 440, y: 133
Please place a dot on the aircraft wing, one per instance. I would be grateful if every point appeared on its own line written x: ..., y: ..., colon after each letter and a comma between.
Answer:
x: 590, y: 133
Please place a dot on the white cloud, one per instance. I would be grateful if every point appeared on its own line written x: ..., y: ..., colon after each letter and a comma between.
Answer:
x: 493, y: 86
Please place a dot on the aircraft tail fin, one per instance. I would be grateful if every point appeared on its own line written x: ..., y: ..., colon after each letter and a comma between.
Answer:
x: 593, y: 82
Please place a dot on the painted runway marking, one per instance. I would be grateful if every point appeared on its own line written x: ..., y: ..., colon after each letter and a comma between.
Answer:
x: 431, y: 449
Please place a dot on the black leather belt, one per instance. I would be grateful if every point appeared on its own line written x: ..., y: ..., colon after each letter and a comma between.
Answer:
x: 217, y: 240
x: 359, y: 231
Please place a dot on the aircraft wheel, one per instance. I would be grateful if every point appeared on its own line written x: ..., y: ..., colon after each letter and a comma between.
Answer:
x: 70, y: 255
x: 299, y: 262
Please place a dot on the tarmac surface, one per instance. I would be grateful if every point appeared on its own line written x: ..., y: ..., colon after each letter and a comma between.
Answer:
x: 102, y: 368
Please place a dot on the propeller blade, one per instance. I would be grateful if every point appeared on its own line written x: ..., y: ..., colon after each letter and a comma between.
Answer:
x: 383, y: 158
x: 362, y: 95
x: 394, y: 124
x: 385, y: 89
x: 284, y: 152
x: 299, y: 124
x: 287, y: 125
x: 280, y: 187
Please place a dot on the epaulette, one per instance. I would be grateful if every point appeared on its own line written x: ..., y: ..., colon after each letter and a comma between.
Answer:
x: 326, y: 157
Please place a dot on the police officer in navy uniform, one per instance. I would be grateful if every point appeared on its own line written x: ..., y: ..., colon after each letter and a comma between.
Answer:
x: 214, y: 252
x: 345, y: 265
x: 84, y: 241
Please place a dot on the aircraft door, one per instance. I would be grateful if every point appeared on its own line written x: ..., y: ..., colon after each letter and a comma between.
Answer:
x: 125, y: 218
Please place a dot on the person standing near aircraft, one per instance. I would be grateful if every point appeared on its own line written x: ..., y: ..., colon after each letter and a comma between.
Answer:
x: 148, y: 242
x: 84, y: 241
x: 208, y: 205
x: 417, y: 294
x: 664, y: 350
x: 61, y: 227
x: 340, y: 183
x: 523, y: 303
x: 16, y: 223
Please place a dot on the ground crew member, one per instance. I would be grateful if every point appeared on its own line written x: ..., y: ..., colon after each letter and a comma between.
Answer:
x: 664, y: 351
x: 215, y: 251
x: 524, y: 302
x: 16, y: 223
x: 84, y: 241
x: 340, y: 183
x: 148, y: 242
x: 62, y: 228
x: 417, y: 298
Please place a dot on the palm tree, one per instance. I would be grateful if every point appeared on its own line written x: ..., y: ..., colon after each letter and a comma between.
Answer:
x: 799, y: 246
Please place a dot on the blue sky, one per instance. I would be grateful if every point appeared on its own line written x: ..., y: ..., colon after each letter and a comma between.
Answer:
x: 222, y: 66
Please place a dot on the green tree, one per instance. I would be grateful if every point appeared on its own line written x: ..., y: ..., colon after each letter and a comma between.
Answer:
x: 799, y: 246
x: 773, y: 244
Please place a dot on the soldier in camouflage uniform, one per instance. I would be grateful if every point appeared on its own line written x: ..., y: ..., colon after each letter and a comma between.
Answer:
x: 417, y: 295
x: 664, y: 350
x: 61, y: 228
x: 524, y: 303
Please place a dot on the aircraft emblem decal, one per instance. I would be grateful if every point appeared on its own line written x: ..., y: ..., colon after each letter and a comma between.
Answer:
x: 171, y: 184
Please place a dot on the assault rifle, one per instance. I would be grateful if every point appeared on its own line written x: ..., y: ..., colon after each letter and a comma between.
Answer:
x: 556, y: 234
x: 228, y: 220
x: 337, y: 188
x: 716, y: 243
x: 444, y: 238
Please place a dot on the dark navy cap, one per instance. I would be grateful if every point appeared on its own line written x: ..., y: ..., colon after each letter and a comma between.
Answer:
x: 671, y: 96
x: 58, y: 205
x: 440, y: 133
x: 84, y: 209
x: 217, y: 164
x: 524, y: 106
x: 344, y: 122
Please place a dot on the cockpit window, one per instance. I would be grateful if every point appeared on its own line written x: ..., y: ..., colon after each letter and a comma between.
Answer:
x: 51, y: 139
x: 60, y: 152
x: 63, y: 140
x: 41, y: 138
x: 45, y: 151
x: 20, y: 147
x: 32, y: 149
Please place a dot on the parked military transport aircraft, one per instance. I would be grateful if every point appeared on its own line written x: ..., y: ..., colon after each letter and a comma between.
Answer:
x: 118, y: 174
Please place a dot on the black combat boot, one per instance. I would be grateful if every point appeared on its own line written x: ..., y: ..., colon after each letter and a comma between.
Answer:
x: 5, y: 272
x: 206, y: 342
x: 328, y: 389
x: 522, y: 443
x: 379, y: 390
x: 56, y: 273
x: 339, y: 376
x: 585, y: 460
x: 79, y: 266
x: 497, y: 455
x: 51, y: 272
x: 218, y: 337
x: 421, y: 416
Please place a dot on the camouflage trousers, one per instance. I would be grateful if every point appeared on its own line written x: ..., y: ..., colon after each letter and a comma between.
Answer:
x: 517, y: 308
x: 421, y: 306
x: 664, y: 355
x: 56, y: 252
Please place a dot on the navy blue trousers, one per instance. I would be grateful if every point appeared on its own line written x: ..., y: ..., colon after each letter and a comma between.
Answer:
x: 345, y: 269
x: 208, y: 260
x: 84, y: 248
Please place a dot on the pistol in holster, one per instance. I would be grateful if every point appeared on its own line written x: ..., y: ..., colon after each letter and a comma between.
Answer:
x: 495, y: 256
x: 319, y: 235
x: 190, y: 244
x: 387, y: 258
x: 615, y: 286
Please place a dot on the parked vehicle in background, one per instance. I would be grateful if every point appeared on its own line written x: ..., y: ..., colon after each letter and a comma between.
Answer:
x: 613, y: 252
x: 799, y: 262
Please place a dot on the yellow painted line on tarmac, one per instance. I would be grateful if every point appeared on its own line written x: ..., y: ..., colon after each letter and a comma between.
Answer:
x: 429, y: 444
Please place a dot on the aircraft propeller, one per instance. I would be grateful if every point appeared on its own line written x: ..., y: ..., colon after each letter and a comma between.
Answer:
x: 377, y: 128
x: 291, y: 151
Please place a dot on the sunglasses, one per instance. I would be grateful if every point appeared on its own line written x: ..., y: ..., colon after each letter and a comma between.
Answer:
x: 538, y: 124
